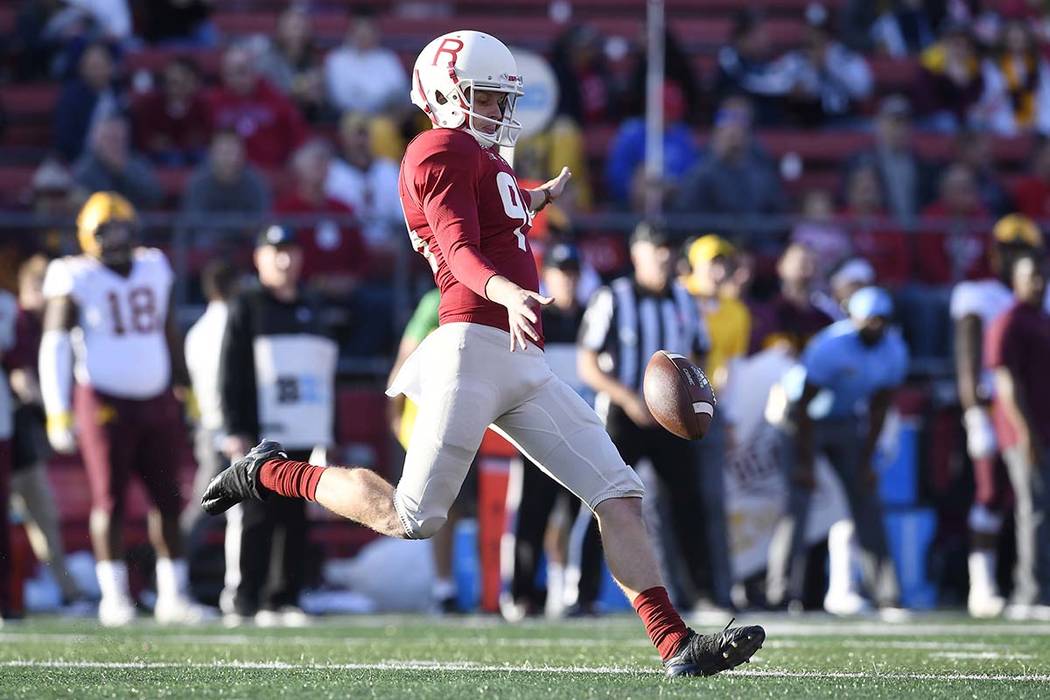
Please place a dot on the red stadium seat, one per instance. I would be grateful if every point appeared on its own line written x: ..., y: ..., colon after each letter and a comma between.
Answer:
x: 154, y: 59
x: 15, y: 181
x: 330, y: 25
x: 30, y: 100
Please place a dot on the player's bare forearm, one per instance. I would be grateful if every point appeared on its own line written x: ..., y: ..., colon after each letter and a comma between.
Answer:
x: 180, y: 374
x: 600, y: 381
x: 968, y: 359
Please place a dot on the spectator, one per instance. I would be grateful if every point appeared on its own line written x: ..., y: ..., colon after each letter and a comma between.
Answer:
x: 363, y: 76
x: 974, y: 148
x: 334, y: 256
x: 956, y: 247
x: 366, y: 183
x: 624, y: 174
x: 225, y: 184
x: 861, y: 361
x: 586, y: 91
x: 950, y: 80
x: 826, y: 80
x: 276, y: 324
x: 899, y: 27
x: 182, y: 23
x: 1032, y: 191
x: 30, y: 47
x: 817, y: 229
x: 876, y: 237
x: 219, y: 283
x: 745, y: 67
x: 712, y: 263
x: 113, y: 17
x: 678, y: 70
x: 793, y: 317
x: 85, y: 99
x: 733, y: 176
x: 1017, y: 348
x: 849, y: 276
x: 33, y: 499
x: 269, y: 122
x: 171, y: 124
x: 1016, y: 84
x: 110, y: 165
x: 906, y: 180
x: 292, y: 64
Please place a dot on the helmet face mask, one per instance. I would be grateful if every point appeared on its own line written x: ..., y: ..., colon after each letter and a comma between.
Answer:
x: 449, y: 73
x: 115, y: 242
x: 107, y: 227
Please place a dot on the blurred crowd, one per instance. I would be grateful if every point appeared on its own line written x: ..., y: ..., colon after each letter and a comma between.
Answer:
x: 288, y: 128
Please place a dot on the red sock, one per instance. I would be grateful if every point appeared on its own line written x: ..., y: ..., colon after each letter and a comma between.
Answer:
x: 662, y: 622
x: 287, y: 477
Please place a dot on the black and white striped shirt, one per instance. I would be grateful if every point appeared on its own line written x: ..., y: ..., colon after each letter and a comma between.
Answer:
x: 626, y: 324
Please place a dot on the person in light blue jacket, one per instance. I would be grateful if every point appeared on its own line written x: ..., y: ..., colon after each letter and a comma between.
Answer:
x: 855, y: 364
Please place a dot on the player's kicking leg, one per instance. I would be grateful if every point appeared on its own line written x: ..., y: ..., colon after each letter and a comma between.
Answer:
x: 363, y: 496
x: 357, y: 494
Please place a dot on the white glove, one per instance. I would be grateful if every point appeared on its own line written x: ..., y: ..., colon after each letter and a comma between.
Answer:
x: 60, y: 433
x: 980, y: 435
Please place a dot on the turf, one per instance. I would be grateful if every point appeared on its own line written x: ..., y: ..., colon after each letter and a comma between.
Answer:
x: 934, y: 656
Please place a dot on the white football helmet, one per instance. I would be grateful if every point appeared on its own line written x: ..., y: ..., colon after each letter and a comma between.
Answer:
x: 448, y: 71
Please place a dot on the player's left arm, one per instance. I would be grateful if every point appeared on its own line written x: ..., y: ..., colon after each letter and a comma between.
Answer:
x: 180, y: 375
x: 877, y: 409
x: 549, y: 191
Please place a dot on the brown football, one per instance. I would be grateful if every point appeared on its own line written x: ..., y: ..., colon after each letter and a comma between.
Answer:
x: 678, y: 395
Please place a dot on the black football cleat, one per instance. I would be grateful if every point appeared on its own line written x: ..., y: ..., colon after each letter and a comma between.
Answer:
x: 240, y: 481
x: 708, y: 654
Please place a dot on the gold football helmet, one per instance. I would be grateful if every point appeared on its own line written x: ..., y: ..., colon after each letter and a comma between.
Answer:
x: 100, y: 209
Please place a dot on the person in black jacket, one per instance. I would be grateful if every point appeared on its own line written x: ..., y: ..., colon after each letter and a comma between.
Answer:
x: 276, y: 382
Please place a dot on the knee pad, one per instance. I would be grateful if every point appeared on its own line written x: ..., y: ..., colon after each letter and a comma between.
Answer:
x: 420, y: 522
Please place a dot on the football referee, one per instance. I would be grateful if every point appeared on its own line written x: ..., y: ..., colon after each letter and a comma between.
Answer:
x: 625, y: 323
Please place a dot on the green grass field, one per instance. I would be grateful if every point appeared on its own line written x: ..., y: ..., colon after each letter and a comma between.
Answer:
x: 933, y: 656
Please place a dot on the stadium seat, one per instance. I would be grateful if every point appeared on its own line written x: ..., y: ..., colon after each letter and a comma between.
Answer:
x: 30, y: 100
x: 154, y: 59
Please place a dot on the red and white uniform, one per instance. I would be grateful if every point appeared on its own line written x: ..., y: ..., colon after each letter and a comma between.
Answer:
x: 119, y: 345
x: 469, y: 218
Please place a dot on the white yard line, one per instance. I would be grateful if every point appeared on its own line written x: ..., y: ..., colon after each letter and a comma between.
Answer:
x: 475, y: 667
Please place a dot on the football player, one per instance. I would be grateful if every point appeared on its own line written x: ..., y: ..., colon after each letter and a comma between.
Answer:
x: 485, y: 365
x: 974, y: 305
x: 109, y: 357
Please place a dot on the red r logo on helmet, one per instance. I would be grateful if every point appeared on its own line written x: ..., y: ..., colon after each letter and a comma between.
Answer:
x: 450, y: 46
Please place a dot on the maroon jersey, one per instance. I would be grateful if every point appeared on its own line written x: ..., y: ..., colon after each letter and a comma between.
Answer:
x: 469, y: 218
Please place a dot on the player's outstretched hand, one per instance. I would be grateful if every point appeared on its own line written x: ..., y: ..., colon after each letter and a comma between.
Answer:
x: 522, y: 315
x: 557, y: 185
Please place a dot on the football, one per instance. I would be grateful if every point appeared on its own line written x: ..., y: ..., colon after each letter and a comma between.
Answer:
x: 678, y: 395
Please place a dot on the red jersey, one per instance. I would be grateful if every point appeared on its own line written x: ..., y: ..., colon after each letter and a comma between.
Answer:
x: 269, y: 122
x: 470, y: 219
x: 328, y: 247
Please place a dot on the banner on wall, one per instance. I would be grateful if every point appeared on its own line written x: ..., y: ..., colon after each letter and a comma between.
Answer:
x: 755, y: 483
